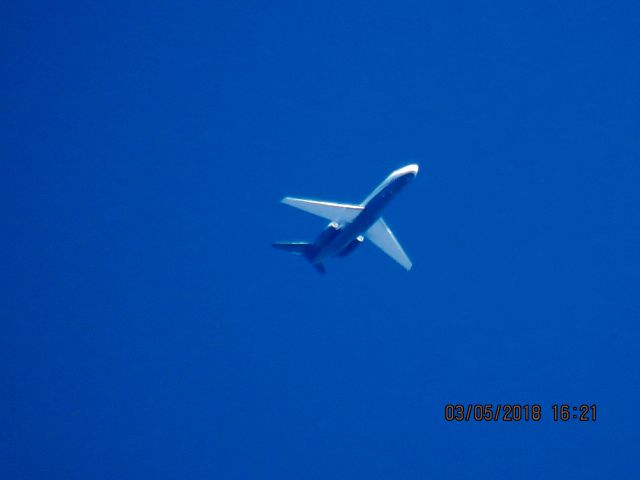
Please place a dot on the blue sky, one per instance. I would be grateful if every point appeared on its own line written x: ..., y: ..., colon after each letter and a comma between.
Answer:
x: 149, y: 329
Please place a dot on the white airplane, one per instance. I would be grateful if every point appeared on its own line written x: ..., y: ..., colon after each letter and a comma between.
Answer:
x: 351, y: 224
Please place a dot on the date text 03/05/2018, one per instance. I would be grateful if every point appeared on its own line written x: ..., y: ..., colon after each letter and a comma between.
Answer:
x: 516, y: 412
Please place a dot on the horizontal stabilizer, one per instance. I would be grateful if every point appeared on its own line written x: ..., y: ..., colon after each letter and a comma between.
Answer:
x: 297, y: 248
x: 336, y: 212
x: 385, y: 240
x: 300, y: 248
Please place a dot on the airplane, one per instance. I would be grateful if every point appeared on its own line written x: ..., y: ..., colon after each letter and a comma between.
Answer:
x: 351, y: 224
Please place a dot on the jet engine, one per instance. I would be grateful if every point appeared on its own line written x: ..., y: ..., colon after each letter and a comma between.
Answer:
x: 352, y: 246
x: 327, y: 235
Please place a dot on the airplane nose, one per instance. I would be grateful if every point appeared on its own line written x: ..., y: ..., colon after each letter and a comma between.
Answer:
x: 407, y: 173
x: 409, y: 170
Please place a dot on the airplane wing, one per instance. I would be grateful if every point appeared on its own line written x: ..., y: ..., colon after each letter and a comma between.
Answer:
x: 385, y: 240
x: 336, y: 212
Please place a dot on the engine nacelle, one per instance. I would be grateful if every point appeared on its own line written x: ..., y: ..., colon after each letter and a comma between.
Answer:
x: 327, y: 235
x: 352, y: 246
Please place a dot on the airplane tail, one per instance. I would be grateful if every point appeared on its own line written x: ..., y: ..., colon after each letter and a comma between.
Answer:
x: 297, y: 248
x: 302, y: 249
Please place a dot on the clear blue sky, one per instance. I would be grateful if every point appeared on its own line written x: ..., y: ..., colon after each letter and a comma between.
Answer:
x: 149, y: 329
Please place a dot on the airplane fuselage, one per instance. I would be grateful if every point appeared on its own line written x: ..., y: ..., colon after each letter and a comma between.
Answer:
x: 339, y: 236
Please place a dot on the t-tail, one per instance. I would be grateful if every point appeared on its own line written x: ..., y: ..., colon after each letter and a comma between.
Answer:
x: 300, y: 248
